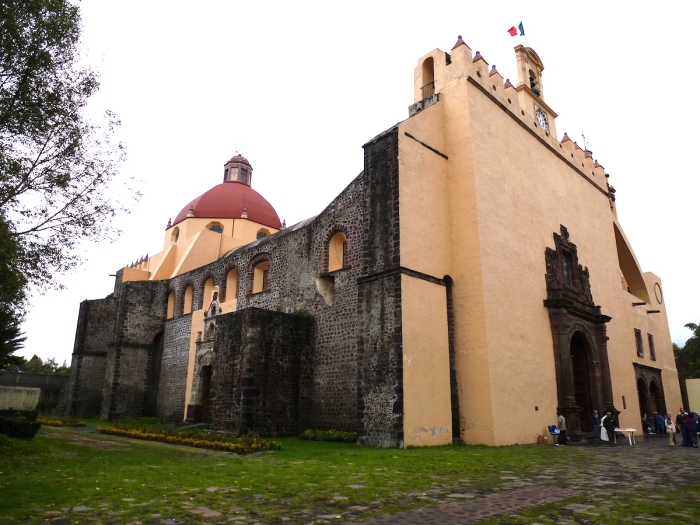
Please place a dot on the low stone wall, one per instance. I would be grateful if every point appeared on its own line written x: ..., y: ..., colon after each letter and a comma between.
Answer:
x: 19, y: 398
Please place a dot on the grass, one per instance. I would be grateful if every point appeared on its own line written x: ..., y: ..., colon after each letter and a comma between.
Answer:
x: 62, y: 468
x: 124, y: 480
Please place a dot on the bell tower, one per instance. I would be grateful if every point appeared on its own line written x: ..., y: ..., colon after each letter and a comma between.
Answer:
x: 530, y: 90
x: 238, y: 169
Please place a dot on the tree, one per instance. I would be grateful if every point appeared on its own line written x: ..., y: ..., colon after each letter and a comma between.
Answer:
x: 56, y: 166
x: 36, y: 366
x: 688, y: 357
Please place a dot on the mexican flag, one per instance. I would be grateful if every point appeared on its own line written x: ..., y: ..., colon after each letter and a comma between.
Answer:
x: 514, y: 31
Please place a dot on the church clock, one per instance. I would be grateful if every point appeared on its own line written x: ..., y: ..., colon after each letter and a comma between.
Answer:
x: 541, y: 118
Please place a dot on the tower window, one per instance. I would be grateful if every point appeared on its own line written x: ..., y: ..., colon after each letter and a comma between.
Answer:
x: 171, y: 305
x: 187, y: 306
x: 640, y: 343
x: 567, y: 264
x: 337, y: 252
x: 261, y: 281
x: 652, y: 349
x: 244, y: 176
x: 231, y: 285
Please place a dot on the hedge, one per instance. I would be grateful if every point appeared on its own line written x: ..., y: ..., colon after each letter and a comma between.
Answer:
x: 17, y: 427
x: 238, y: 446
x: 329, y: 435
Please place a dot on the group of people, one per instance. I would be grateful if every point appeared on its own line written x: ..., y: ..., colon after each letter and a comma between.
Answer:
x: 687, y: 424
x: 603, y: 428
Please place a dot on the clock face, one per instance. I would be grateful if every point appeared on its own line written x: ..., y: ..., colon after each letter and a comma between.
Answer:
x: 541, y: 118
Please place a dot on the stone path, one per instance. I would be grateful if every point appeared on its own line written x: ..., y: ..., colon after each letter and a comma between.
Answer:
x: 475, y: 510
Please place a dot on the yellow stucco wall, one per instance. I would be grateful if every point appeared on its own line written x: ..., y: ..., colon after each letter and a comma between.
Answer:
x: 693, y: 388
x: 426, y: 364
x: 509, y: 186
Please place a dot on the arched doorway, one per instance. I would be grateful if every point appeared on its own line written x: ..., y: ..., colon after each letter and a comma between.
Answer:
x: 206, y: 389
x: 656, y: 399
x: 582, y: 383
x: 643, y: 395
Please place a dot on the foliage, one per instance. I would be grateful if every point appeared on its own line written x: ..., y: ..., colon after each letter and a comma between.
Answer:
x: 688, y: 357
x: 329, y: 435
x: 11, y: 338
x: 29, y: 415
x: 212, y: 441
x: 62, y: 421
x: 18, y: 426
x: 56, y: 166
x: 37, y: 366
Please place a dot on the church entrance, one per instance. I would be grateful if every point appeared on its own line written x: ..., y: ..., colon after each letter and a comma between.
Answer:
x: 643, y: 394
x: 582, y: 384
x: 205, y: 392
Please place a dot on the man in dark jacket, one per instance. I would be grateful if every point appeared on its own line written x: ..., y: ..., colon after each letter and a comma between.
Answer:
x: 660, y: 424
x: 595, y: 421
x: 680, y: 421
x: 691, y: 428
x: 609, y: 424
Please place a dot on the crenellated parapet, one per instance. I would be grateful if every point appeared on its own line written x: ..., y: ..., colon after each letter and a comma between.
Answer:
x: 524, y: 102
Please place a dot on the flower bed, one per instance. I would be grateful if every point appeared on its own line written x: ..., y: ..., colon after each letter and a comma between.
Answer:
x: 214, y: 442
x: 60, y: 421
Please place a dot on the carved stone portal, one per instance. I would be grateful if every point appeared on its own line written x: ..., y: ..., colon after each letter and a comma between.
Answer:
x: 579, y: 339
x: 198, y: 408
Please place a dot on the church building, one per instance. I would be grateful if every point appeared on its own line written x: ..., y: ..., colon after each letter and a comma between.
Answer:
x: 471, y: 282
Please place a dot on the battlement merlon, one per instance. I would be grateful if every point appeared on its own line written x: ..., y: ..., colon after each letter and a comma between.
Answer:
x: 436, y: 70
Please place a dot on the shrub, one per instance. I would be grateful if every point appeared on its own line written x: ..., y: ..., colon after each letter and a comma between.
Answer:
x: 18, y: 427
x: 192, y: 438
x: 29, y: 415
x: 62, y: 421
x: 329, y: 435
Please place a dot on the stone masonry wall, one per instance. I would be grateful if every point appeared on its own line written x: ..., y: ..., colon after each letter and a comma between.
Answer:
x: 298, y: 257
x: 379, y: 349
x: 173, y: 376
x: 82, y: 396
x: 141, y: 309
x: 262, y: 372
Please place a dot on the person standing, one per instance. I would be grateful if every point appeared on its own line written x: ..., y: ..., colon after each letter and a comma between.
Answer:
x: 609, y: 425
x: 681, y: 425
x: 671, y: 430
x: 595, y: 421
x: 562, y: 431
x: 660, y: 423
x: 691, y: 427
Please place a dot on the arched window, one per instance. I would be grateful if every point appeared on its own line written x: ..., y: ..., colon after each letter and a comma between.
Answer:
x: 534, y: 83
x: 216, y: 228
x: 260, y: 277
x: 262, y: 233
x: 187, y: 306
x: 171, y: 305
x: 175, y: 235
x: 428, y: 78
x: 208, y: 293
x: 231, y: 285
x: 336, y: 252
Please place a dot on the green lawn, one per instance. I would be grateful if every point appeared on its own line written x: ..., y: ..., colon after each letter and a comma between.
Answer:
x: 129, y: 481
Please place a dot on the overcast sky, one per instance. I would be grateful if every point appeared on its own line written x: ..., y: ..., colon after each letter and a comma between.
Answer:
x: 298, y: 87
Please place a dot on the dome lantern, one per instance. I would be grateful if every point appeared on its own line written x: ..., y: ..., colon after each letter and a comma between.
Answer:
x: 238, y: 169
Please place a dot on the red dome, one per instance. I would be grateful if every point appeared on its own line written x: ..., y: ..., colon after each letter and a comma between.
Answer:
x: 227, y: 200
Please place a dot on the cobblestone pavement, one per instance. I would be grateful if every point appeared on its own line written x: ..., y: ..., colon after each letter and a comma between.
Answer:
x: 620, y: 484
